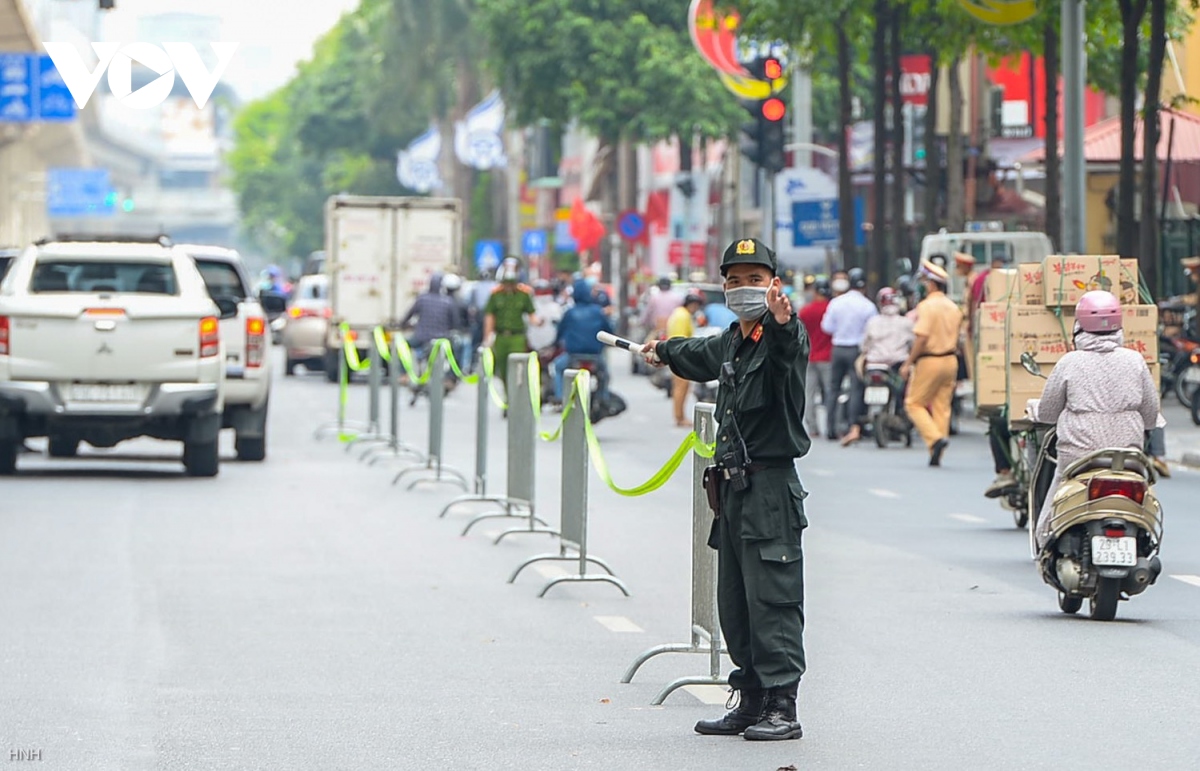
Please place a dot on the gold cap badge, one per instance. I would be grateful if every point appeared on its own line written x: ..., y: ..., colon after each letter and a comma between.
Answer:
x: 745, y: 247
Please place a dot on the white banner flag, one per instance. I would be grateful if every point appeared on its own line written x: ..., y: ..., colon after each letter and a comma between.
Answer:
x: 417, y: 166
x: 479, y: 140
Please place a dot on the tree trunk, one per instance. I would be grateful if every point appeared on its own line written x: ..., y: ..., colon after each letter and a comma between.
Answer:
x: 1149, y: 226
x: 899, y: 176
x: 955, y: 194
x: 1132, y: 12
x: 933, y: 154
x: 879, y: 190
x: 846, y: 225
x: 1051, y: 66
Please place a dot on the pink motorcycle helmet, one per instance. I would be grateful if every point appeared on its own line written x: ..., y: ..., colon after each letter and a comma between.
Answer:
x: 1098, y: 312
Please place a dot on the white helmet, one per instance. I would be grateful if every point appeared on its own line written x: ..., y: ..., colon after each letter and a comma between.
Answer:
x: 451, y: 283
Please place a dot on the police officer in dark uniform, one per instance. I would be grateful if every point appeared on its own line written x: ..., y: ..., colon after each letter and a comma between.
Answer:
x: 760, y: 363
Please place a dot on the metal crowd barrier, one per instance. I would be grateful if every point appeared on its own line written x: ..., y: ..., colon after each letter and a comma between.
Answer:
x: 575, y: 472
x: 341, y: 425
x: 706, y: 623
x: 518, y: 500
x: 373, y: 434
x: 433, y: 458
x: 395, y: 448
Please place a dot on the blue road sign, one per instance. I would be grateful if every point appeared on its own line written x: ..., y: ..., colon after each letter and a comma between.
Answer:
x: 488, y: 255
x: 78, y: 193
x: 631, y: 226
x: 563, y: 241
x: 17, y: 100
x: 54, y: 100
x: 533, y: 243
x: 816, y: 223
x: 31, y: 89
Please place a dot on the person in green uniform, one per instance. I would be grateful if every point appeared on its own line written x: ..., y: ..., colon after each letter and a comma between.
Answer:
x: 504, y: 320
x: 760, y: 364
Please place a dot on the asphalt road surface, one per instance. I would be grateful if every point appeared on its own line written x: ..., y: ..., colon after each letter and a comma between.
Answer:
x: 304, y: 613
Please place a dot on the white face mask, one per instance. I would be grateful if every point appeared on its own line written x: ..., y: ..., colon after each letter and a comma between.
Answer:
x: 841, y: 286
x: 748, y: 303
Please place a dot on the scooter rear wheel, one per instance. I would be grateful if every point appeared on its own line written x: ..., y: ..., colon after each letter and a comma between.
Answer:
x: 1102, y: 605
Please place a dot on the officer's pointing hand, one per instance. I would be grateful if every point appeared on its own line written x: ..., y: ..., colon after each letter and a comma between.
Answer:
x: 779, y: 305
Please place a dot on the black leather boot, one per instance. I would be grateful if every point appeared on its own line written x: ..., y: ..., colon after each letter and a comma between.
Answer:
x: 779, y: 721
x: 748, y: 712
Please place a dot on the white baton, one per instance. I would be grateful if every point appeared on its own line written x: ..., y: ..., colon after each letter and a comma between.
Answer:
x: 619, y: 342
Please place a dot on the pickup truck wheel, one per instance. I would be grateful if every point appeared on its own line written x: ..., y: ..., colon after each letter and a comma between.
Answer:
x: 8, y: 457
x: 331, y: 366
x: 251, y: 448
x: 201, y: 458
x: 62, y: 447
x: 290, y: 369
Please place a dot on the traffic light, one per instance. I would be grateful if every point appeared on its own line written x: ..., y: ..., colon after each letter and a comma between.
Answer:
x: 763, y: 137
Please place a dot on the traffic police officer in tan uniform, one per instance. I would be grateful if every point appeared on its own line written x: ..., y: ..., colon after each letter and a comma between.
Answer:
x: 933, y: 362
x: 760, y: 363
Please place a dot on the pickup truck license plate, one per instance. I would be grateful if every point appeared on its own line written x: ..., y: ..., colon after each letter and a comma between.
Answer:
x: 106, y: 392
x: 1120, y: 552
x: 876, y: 395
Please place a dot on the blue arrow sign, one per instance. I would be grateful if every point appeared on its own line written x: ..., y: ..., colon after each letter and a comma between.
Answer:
x: 54, y: 99
x: 533, y: 243
x: 631, y: 226
x: 488, y: 255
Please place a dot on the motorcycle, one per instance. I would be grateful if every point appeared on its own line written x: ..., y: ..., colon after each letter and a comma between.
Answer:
x: 1105, y: 527
x: 421, y: 364
x: 599, y: 407
x: 884, y: 399
x: 1177, y: 355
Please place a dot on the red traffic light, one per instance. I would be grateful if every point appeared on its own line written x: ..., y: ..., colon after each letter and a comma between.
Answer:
x: 774, y: 109
x: 772, y: 69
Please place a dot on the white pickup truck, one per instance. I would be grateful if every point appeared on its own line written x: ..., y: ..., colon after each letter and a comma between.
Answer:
x: 247, y: 346
x: 103, y: 341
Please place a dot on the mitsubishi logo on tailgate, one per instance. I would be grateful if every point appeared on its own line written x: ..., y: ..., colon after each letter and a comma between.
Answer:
x: 104, y: 348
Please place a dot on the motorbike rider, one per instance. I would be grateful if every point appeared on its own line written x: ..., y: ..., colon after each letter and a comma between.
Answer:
x: 437, y: 313
x: 820, y: 359
x: 460, y: 338
x: 577, y: 332
x: 889, y: 336
x: 1100, y: 395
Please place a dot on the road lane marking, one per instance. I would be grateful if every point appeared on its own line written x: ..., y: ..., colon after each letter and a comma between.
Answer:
x: 550, y: 570
x: 883, y: 493
x: 709, y: 694
x: 969, y: 518
x: 1193, y: 580
x: 618, y: 624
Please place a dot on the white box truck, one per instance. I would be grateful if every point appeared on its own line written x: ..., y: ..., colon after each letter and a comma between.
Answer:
x: 379, y: 255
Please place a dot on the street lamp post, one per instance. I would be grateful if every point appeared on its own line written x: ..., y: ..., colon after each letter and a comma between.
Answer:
x: 1074, y: 164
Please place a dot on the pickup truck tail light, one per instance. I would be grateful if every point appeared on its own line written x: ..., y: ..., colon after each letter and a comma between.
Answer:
x: 256, y: 341
x: 210, y: 336
x: 4, y: 333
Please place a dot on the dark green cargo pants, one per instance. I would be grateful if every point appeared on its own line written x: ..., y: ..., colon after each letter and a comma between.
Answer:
x: 760, y: 579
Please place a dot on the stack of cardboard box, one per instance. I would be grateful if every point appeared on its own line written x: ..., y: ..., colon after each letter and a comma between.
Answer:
x: 1031, y: 309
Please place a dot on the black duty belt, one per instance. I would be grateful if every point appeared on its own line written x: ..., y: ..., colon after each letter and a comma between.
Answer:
x: 757, y: 466
x: 510, y: 332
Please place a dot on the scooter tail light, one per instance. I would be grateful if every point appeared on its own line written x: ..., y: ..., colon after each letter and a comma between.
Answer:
x: 1113, y: 532
x: 1100, y: 487
x: 5, y: 331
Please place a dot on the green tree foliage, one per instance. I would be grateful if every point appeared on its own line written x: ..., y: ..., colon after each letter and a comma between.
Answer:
x: 622, y: 68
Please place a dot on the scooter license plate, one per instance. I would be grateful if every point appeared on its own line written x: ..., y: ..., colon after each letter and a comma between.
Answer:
x: 876, y: 395
x: 1119, y: 552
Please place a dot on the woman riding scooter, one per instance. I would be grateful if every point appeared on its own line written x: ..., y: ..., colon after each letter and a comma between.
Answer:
x: 1100, y: 395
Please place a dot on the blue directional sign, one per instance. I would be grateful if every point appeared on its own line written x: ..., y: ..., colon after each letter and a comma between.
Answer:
x: 79, y: 193
x: 488, y: 255
x: 16, y: 88
x: 533, y: 243
x: 563, y: 241
x: 31, y: 89
x: 631, y: 226
x: 54, y: 100
x: 816, y: 223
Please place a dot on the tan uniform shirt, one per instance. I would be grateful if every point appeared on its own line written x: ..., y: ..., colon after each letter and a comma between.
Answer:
x: 939, y: 320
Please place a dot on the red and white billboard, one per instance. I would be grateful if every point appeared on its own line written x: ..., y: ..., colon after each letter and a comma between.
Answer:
x: 916, y: 74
